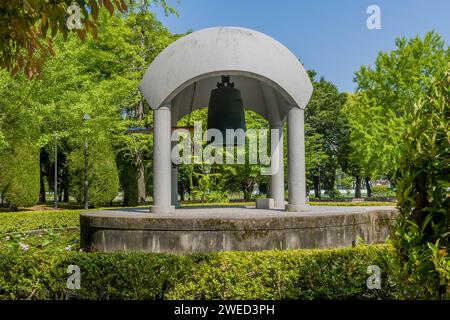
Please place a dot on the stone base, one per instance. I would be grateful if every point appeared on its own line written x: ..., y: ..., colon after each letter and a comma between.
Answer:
x: 243, y: 229
x: 279, y: 204
x: 298, y: 207
x: 157, y: 209
x: 265, y: 203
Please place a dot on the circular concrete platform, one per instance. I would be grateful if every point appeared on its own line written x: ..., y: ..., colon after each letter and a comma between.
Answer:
x: 206, y: 229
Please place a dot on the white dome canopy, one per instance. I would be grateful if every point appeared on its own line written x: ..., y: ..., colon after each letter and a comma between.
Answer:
x: 270, y: 77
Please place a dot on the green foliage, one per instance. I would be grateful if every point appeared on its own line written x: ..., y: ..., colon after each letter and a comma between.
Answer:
x: 98, y: 77
x: 209, y: 188
x: 3, y: 143
x: 103, y: 179
x: 378, y: 114
x: 422, y: 237
x: 20, y: 186
x: 290, y: 274
x: 49, y: 241
x: 19, y: 163
x: 24, y: 276
x: 25, y: 221
x: 28, y: 27
x: 352, y: 204
x: 325, y: 134
x: 287, y: 274
x: 216, y: 182
x: 128, y: 183
x: 217, y: 196
x: 382, y: 191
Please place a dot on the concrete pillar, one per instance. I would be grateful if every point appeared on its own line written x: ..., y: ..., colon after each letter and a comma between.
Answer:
x: 296, y: 161
x: 277, y: 179
x: 162, y: 163
x: 174, y: 185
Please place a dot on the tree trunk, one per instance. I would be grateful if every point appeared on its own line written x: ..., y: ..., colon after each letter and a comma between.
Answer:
x: 331, y: 181
x: 140, y: 177
x: 64, y: 178
x: 317, y: 185
x: 140, y: 115
x: 358, y: 187
x: 368, y: 187
x: 244, y: 190
x: 66, y: 195
x: 181, y: 191
x: 42, y: 198
x: 65, y: 184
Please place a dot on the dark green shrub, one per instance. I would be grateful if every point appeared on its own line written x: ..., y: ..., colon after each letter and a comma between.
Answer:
x: 422, y: 237
x: 19, y: 167
x: 120, y: 275
x: 382, y: 191
x: 103, y: 177
x: 25, y: 276
x: 129, y: 185
x: 287, y: 274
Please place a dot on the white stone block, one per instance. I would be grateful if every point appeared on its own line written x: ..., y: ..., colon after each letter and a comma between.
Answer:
x: 267, y: 203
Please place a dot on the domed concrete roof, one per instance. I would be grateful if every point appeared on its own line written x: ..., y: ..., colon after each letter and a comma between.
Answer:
x: 270, y: 77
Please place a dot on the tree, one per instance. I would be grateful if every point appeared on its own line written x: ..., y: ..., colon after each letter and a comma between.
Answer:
x: 364, y: 118
x: 324, y: 134
x: 315, y: 157
x: 422, y: 236
x: 19, y: 163
x: 103, y: 179
x: 149, y: 38
x: 379, y: 114
x: 19, y: 157
x: 98, y: 77
x: 28, y: 27
x: 244, y: 177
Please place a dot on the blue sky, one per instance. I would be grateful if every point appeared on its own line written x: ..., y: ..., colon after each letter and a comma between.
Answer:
x: 329, y: 36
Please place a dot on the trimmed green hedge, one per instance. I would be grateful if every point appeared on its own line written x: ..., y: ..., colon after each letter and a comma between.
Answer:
x: 313, y: 203
x: 287, y: 274
x: 353, y: 204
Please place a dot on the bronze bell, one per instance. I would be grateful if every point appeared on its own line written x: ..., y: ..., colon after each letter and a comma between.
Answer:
x: 226, y: 109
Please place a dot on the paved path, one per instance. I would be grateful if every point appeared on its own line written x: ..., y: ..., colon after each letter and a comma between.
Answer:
x: 238, y: 212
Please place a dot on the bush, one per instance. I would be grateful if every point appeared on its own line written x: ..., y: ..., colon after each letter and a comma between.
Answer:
x: 422, y: 237
x: 287, y: 274
x: 382, y: 191
x: 352, y: 204
x: 217, y: 196
x: 19, y: 169
x: 103, y: 178
x: 129, y: 185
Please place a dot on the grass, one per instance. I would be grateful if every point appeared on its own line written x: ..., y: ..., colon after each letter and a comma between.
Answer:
x: 31, y: 220
x: 46, y: 242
